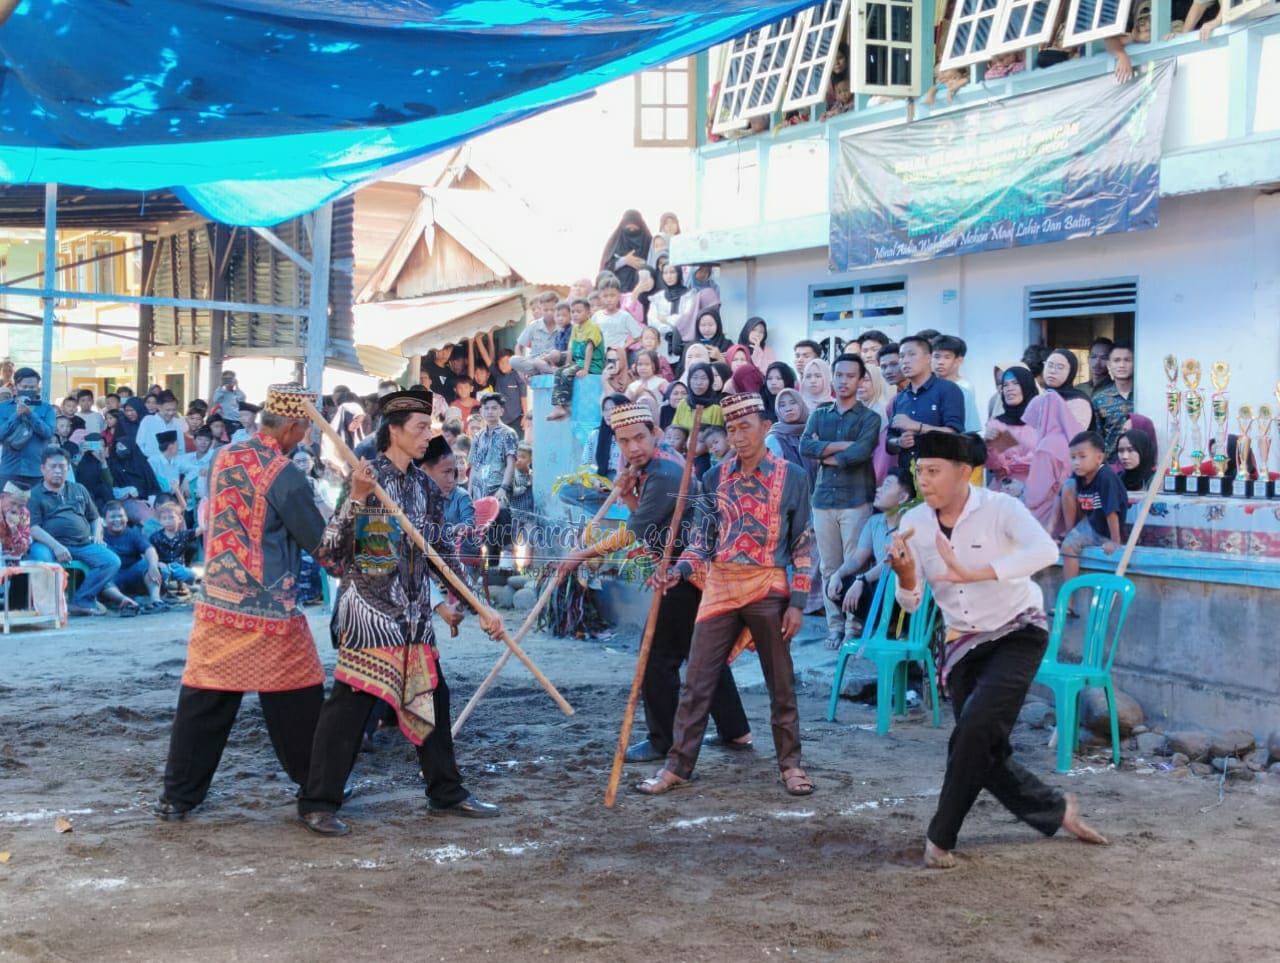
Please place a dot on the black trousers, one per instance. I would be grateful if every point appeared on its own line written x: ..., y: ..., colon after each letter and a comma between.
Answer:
x: 987, y: 688
x: 203, y: 722
x: 338, y: 736
x: 677, y: 614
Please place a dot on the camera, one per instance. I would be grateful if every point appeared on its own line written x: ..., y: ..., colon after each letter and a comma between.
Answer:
x: 29, y: 398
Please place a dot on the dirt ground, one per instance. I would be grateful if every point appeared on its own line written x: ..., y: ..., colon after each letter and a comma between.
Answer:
x: 730, y: 869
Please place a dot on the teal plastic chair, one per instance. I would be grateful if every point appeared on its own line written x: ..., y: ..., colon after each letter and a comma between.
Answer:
x: 892, y: 656
x: 77, y: 572
x: 1069, y: 679
x: 876, y: 626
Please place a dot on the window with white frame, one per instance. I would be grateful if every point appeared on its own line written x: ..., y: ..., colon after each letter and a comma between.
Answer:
x: 1235, y: 9
x: 816, y: 45
x: 887, y: 39
x: 972, y: 33
x: 1023, y: 24
x: 665, y: 106
x: 1089, y: 20
x: 755, y: 74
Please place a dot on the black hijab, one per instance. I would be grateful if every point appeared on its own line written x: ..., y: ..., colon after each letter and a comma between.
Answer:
x: 129, y: 466
x: 673, y: 292
x: 1012, y: 415
x: 668, y: 410
x: 1068, y: 391
x: 717, y: 340
x: 623, y: 242
x: 743, y: 336
x: 1136, y: 479
x: 712, y: 397
x: 724, y: 371
x: 604, y: 436
x: 789, y: 380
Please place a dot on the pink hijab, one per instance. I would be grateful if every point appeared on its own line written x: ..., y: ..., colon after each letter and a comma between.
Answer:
x: 1054, y: 428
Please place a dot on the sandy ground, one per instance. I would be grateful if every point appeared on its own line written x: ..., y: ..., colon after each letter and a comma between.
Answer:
x: 730, y: 869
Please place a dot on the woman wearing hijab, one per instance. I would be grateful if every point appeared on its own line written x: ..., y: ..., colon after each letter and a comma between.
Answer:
x: 134, y: 481
x: 668, y: 227
x: 815, y: 386
x: 664, y: 306
x: 1060, y: 376
x: 1050, y: 465
x: 671, y: 398
x: 1010, y: 440
x: 721, y: 377
x: 784, y: 434
x: 777, y: 376
x: 627, y: 249
x: 755, y: 338
x: 700, y: 393
x: 749, y: 379
x: 1137, y: 455
x: 876, y: 393
x: 692, y: 307
x: 637, y: 300
x: 709, y: 330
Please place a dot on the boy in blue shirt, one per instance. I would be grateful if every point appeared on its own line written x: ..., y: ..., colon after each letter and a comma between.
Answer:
x: 1093, y: 503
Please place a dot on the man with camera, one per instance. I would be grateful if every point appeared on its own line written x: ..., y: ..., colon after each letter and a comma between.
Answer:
x: 26, y: 429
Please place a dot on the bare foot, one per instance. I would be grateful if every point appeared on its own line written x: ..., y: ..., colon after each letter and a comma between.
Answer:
x: 1077, y: 827
x: 834, y: 642
x: 935, y: 857
x: 558, y: 413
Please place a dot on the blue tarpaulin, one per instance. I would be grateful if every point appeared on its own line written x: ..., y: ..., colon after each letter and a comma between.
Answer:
x: 255, y: 111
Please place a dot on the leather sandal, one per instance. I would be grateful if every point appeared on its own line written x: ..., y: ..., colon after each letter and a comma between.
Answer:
x: 797, y: 782
x: 664, y: 782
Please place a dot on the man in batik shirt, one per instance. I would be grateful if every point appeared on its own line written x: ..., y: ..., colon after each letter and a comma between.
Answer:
x: 752, y: 525
x: 387, y: 646
x: 249, y: 633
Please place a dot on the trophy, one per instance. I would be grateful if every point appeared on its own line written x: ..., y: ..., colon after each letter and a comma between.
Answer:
x: 1220, y: 375
x: 1194, y: 399
x: 1265, y: 487
x: 1173, y: 481
x: 1242, y: 486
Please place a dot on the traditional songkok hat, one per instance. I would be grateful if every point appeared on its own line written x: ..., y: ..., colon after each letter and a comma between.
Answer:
x: 287, y: 401
x: 629, y: 414
x: 738, y: 406
x: 968, y: 449
x: 437, y: 448
x: 416, y: 399
x: 164, y: 438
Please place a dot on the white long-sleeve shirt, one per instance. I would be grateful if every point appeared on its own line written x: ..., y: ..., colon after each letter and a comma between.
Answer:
x: 152, y: 425
x: 993, y: 529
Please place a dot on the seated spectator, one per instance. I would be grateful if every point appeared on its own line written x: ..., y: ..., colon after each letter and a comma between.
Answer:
x: 1060, y: 377
x: 701, y: 393
x: 195, y: 469
x: 709, y: 332
x: 717, y: 443
x: 698, y: 299
x: 754, y: 336
x: 92, y: 418
x: 677, y: 439
x: 536, y: 343
x: 651, y: 340
x: 1010, y: 440
x: 616, y: 378
x: 842, y: 92
x: 1137, y: 459
x: 948, y: 80
x: 647, y: 375
x: 676, y: 392
x: 1094, y: 504
x: 15, y: 526
x: 139, y: 571
x: 746, y: 378
x: 133, y: 480
x: 665, y: 306
x: 171, y: 543
x: 65, y: 526
x: 1050, y: 464
x: 168, y: 465
x: 91, y: 471
x: 636, y: 301
x: 618, y: 327
x: 586, y: 356
x: 1005, y: 65
x: 693, y: 354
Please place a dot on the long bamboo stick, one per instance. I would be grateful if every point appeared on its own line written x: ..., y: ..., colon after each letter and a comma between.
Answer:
x: 646, y: 640
x: 526, y: 626
x: 459, y: 586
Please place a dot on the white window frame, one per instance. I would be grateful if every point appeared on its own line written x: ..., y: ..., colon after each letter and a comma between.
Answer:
x: 819, y: 27
x: 687, y: 137
x: 1099, y: 29
x: 973, y: 53
x: 740, y: 101
x: 860, y: 44
x: 1234, y: 11
x: 1023, y: 39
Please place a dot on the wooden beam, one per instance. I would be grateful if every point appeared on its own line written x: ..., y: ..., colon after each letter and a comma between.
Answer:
x: 146, y: 314
x: 274, y: 240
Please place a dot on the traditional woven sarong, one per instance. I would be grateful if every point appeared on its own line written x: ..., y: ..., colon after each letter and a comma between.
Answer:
x: 729, y: 586
x: 248, y: 653
x: 403, y: 676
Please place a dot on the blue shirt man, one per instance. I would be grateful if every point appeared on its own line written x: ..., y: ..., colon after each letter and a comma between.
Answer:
x: 926, y: 404
x: 26, y: 429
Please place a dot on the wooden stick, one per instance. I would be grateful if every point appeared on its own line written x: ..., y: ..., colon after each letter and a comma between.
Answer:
x: 1157, y: 485
x: 646, y: 640
x: 527, y: 625
x: 459, y: 586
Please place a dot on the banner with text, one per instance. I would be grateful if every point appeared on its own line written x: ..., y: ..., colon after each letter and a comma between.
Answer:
x: 1061, y: 163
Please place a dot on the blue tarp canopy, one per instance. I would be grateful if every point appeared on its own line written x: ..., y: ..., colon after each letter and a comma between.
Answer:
x: 254, y: 111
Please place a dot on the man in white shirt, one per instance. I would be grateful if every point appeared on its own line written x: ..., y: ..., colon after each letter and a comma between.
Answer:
x: 978, y: 549
x: 166, y: 418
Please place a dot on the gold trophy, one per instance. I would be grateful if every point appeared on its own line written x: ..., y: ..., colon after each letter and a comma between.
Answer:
x: 1173, y: 481
x: 1220, y: 375
x: 1194, y: 399
x: 1242, y: 487
x: 1265, y: 418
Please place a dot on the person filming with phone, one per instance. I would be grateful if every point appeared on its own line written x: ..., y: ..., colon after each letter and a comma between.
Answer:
x: 26, y: 429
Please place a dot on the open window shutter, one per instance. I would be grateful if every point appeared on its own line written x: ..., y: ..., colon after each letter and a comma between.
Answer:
x: 1235, y: 9
x: 755, y: 74
x: 887, y: 48
x: 972, y: 33
x: 1089, y: 20
x: 1022, y: 24
x: 816, y: 45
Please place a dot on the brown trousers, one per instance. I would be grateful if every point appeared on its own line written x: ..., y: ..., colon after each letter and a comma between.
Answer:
x: 713, y: 640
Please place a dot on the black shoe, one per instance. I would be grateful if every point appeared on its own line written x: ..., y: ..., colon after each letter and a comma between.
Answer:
x: 171, y: 811
x: 643, y: 752
x: 721, y: 742
x: 471, y: 807
x: 324, y: 824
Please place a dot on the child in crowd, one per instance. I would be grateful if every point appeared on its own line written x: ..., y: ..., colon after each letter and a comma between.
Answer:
x: 451, y: 430
x: 91, y: 416
x: 586, y: 356
x: 617, y: 326
x: 647, y: 376
x: 15, y: 526
x: 475, y: 425
x: 1005, y: 65
x: 948, y: 80
x: 678, y: 438
x: 170, y: 544
x: 522, y: 507
x: 465, y: 401
x: 462, y: 458
x: 1093, y: 503
x: 843, y: 92
x: 717, y: 443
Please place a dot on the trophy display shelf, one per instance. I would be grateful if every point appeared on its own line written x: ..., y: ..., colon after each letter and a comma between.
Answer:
x: 1243, y: 528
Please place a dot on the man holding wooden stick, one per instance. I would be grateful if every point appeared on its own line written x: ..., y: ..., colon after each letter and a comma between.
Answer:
x: 751, y: 525
x: 649, y: 487
x: 978, y: 550
x: 387, y: 645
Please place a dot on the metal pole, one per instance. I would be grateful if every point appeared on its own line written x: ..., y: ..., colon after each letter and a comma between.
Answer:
x: 318, y: 318
x: 50, y: 285
x: 146, y: 317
